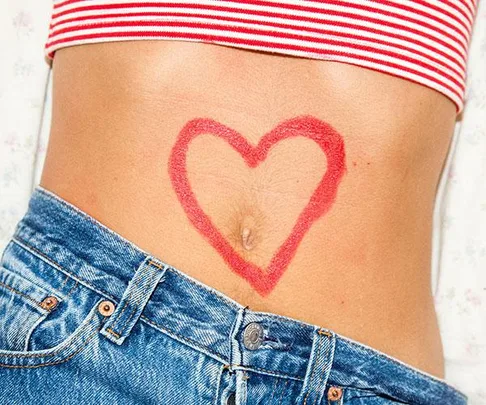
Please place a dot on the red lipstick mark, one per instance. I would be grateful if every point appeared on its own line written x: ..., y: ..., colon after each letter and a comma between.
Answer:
x: 326, y: 137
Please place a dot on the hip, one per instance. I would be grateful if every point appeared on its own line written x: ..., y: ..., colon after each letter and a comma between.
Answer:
x: 83, y: 304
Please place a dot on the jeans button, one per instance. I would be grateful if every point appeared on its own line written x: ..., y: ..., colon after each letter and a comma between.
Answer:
x: 231, y: 399
x: 253, y: 336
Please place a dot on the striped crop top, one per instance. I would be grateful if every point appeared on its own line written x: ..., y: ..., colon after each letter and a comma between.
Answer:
x: 423, y: 41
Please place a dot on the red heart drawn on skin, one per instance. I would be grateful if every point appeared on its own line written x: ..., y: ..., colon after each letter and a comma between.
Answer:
x: 326, y: 137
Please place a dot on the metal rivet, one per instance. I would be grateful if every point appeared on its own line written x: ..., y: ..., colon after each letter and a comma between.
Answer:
x: 334, y: 393
x: 106, y: 308
x: 324, y: 332
x: 49, y: 303
x: 253, y: 336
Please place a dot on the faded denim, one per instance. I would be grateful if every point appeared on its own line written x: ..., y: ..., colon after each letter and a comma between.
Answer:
x: 170, y: 339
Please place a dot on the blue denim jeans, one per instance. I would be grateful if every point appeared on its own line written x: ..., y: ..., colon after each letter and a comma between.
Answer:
x: 87, y: 317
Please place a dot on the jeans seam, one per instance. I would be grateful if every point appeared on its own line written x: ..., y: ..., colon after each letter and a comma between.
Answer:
x: 25, y: 245
x: 313, y: 369
x: 429, y: 378
x: 283, y: 392
x: 15, y: 291
x: 34, y: 355
x: 274, y: 389
x: 134, y: 310
x: 104, y: 228
x: 85, y: 343
x: 218, y: 385
x: 167, y: 331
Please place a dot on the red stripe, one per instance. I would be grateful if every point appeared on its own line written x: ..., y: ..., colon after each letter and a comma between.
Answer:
x: 441, y: 15
x: 293, y: 7
x: 261, y: 32
x: 459, y: 71
x: 214, y: 38
x: 472, y: 8
x: 428, y: 4
x: 467, y: 17
x: 271, y: 14
x: 65, y: 3
x: 371, y: 9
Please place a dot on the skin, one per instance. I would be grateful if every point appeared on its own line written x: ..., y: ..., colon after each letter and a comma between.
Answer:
x: 362, y: 264
x: 323, y: 196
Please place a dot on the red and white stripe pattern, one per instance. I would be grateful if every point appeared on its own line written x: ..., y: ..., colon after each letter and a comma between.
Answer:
x: 423, y: 41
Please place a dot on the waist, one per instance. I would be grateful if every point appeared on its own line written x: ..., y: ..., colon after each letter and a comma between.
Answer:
x: 214, y: 169
x: 196, y: 315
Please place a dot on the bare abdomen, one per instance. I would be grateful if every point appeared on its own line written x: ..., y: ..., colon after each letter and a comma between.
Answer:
x: 234, y: 202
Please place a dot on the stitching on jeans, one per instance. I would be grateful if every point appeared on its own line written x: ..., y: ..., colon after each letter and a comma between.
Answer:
x: 21, y: 294
x: 181, y: 337
x: 320, y: 383
x: 75, y: 277
x: 149, y: 281
x: 72, y: 289
x: 113, y: 332
x: 73, y: 339
x: 376, y: 353
x: 50, y: 195
x: 64, y: 282
x: 104, y: 228
x: 283, y: 391
x: 274, y: 389
x: 431, y: 379
x: 113, y: 322
x: 315, y: 360
x: 88, y: 339
x: 128, y: 299
x: 218, y: 385
x: 33, y: 327
x: 206, y: 288
x: 271, y: 373
x: 156, y: 264
x: 52, y: 262
x: 250, y: 368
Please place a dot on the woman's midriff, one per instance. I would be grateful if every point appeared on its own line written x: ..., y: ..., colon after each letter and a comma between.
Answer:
x: 159, y: 141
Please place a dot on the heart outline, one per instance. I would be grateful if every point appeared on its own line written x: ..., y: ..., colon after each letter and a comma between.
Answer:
x: 323, y: 196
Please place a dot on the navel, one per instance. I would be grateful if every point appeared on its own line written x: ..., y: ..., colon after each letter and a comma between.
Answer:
x: 247, y: 238
x: 246, y: 232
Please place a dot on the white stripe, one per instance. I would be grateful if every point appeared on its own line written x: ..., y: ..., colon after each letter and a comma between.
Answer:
x: 411, y: 4
x: 444, y: 6
x: 382, y: 7
x: 339, y: 58
x: 232, y: 25
x: 460, y: 4
x: 239, y: 35
x: 439, y: 4
x: 459, y: 56
x: 324, y: 7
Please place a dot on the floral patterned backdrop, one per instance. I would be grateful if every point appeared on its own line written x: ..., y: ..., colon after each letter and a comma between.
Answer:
x: 459, y: 253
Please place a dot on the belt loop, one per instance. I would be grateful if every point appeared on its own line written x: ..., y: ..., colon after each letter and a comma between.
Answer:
x: 319, y: 367
x: 140, y: 288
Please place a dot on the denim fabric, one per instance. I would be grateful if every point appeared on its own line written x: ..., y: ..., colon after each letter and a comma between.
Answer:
x: 170, y: 339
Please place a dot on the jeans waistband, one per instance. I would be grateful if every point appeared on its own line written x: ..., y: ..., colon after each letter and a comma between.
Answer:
x: 204, y: 318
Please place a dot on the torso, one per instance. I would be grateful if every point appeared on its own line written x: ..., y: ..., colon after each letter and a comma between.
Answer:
x: 361, y: 268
